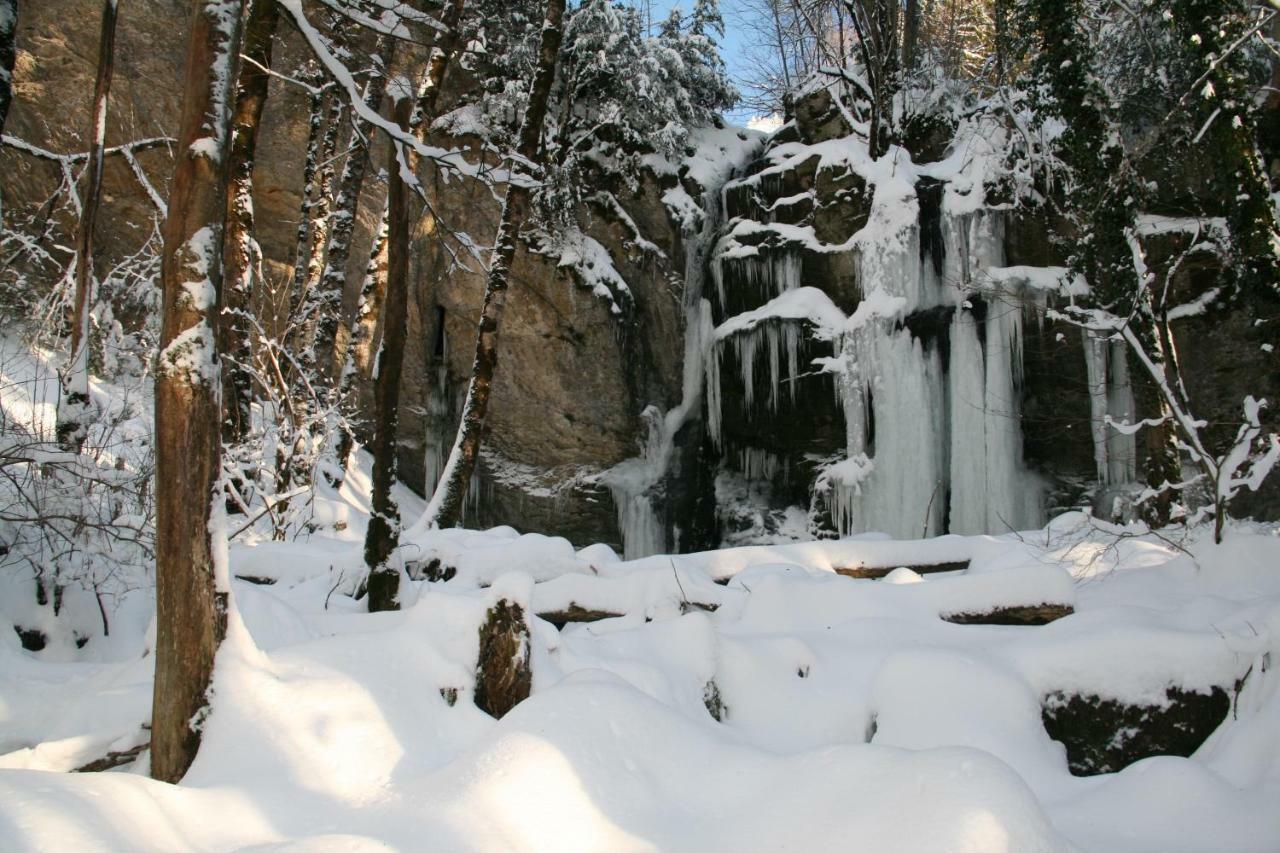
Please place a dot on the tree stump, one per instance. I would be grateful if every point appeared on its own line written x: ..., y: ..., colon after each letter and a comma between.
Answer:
x: 503, y: 674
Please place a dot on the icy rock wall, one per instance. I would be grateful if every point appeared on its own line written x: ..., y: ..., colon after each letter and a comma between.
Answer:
x: 927, y: 364
x: 638, y: 485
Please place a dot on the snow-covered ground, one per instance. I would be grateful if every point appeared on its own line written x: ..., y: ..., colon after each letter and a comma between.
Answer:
x: 331, y: 730
x: 852, y: 715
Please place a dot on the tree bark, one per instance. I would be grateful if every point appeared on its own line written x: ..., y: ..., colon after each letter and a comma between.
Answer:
x: 311, y: 161
x: 373, y: 292
x: 1161, y: 462
x: 910, y: 35
x: 241, y: 255
x: 383, y: 534
x: 358, y: 348
x: 330, y: 355
x: 74, y: 407
x: 8, y: 54
x: 192, y: 586
x: 504, y: 676
x: 319, y: 209
x: 445, y: 508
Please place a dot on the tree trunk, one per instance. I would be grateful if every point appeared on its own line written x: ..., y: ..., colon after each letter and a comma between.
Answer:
x: 1161, y: 461
x: 445, y: 508
x: 192, y: 586
x: 358, y: 348
x: 780, y: 36
x: 383, y: 534
x: 311, y: 261
x: 504, y: 676
x: 1000, y: 13
x: 311, y: 161
x: 910, y: 35
x: 8, y: 53
x: 333, y: 279
x: 373, y: 292
x: 241, y: 254
x: 74, y: 408
x: 353, y: 351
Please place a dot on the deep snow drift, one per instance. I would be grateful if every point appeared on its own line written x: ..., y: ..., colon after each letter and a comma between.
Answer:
x: 331, y: 731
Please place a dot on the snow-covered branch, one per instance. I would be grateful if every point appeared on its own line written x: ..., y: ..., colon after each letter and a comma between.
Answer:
x: 450, y: 160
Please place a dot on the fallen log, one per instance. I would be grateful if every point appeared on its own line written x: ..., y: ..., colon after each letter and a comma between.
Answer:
x: 577, y: 613
x: 112, y: 759
x: 863, y: 572
x: 1015, y: 614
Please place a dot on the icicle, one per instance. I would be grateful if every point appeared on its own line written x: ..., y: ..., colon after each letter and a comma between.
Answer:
x: 1012, y: 498
x: 1110, y: 395
x: 766, y: 273
x: 902, y: 489
x: 777, y: 343
x: 758, y: 464
x: 968, y: 446
x: 946, y: 448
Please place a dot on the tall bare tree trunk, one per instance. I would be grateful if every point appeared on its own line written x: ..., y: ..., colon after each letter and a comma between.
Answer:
x: 445, y: 508
x: 241, y: 255
x: 310, y: 164
x: 359, y: 347
x: 330, y: 352
x: 780, y: 36
x: 910, y: 35
x: 8, y: 54
x: 1000, y: 14
x: 373, y: 292
x: 74, y: 407
x: 1162, y: 461
x: 383, y: 534
x: 192, y: 587
x: 318, y: 211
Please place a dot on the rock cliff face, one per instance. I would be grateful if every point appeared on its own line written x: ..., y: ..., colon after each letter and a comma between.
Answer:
x: 57, y: 44
x: 762, y: 340
x: 592, y: 354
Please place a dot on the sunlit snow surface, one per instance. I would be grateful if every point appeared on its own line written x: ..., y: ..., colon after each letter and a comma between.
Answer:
x: 330, y: 731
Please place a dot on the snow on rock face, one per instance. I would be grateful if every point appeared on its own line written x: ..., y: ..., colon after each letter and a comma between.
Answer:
x: 927, y: 362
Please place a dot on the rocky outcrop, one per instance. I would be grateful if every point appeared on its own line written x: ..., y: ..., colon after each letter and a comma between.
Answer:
x: 1106, y: 735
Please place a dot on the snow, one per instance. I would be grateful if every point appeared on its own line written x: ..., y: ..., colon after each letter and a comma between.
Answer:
x: 804, y: 303
x: 591, y: 265
x: 843, y: 708
x: 847, y: 708
x: 330, y: 729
